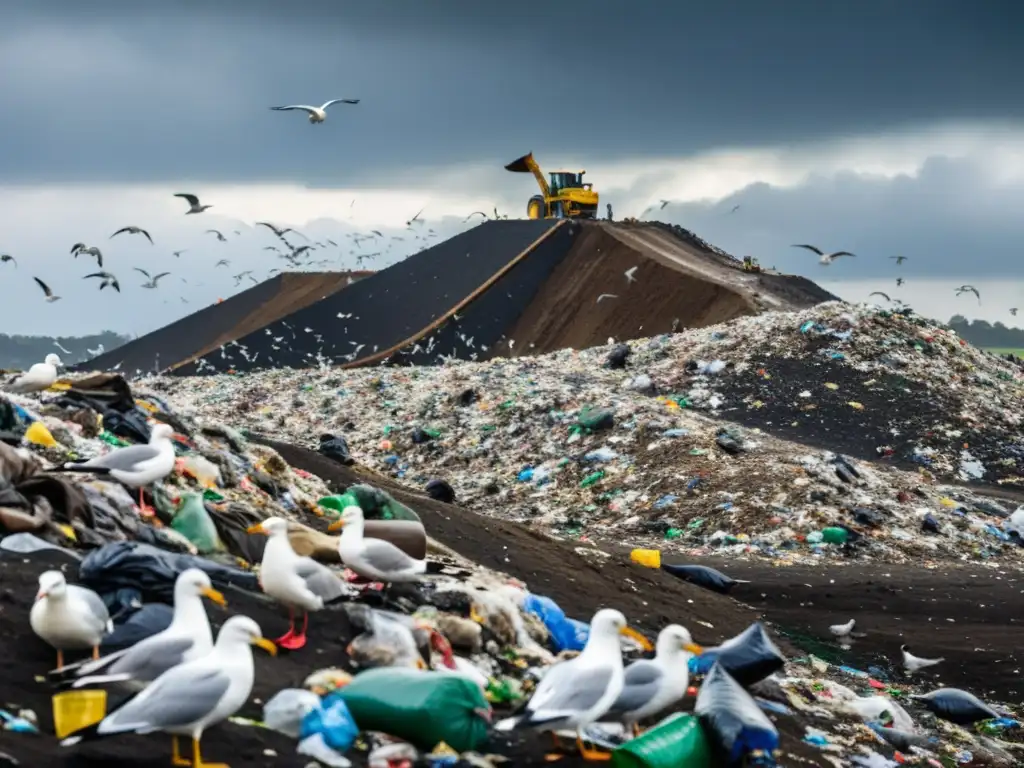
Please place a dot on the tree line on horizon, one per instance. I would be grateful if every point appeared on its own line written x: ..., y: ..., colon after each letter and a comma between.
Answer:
x: 20, y: 352
x: 984, y: 334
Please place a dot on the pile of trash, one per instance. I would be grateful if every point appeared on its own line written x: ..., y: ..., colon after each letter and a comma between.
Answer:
x: 644, y: 444
x: 426, y: 665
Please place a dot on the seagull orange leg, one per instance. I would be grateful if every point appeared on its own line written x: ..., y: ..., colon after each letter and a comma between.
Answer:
x: 60, y: 659
x: 284, y: 639
x: 197, y: 758
x: 176, y: 757
x: 296, y: 640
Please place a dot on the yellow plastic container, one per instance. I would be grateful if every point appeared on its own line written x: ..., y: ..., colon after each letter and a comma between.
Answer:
x: 649, y: 558
x: 38, y: 434
x: 74, y: 710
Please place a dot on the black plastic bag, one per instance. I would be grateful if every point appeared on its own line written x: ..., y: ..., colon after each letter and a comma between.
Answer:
x: 335, y: 447
x: 748, y: 658
x: 152, y: 571
x: 440, y: 490
x: 956, y: 706
x: 736, y: 726
x: 617, y: 357
x: 145, y: 622
x: 703, y: 576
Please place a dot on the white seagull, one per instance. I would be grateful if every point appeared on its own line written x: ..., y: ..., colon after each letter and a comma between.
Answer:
x: 629, y: 274
x: 50, y: 295
x: 843, y: 630
x: 316, y: 114
x: 37, y: 378
x: 374, y: 559
x: 193, y: 203
x: 913, y: 663
x: 152, y: 278
x: 67, y: 616
x: 826, y: 258
x: 189, y: 698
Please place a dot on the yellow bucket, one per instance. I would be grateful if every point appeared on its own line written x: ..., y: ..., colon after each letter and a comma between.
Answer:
x: 649, y: 558
x: 74, y: 710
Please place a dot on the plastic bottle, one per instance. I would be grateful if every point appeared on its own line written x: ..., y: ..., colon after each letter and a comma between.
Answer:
x: 592, y: 478
x: 834, y: 535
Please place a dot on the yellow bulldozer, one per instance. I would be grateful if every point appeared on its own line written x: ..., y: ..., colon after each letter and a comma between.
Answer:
x: 565, y: 197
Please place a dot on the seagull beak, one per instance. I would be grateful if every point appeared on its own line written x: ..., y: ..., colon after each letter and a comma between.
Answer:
x: 336, y: 525
x: 632, y: 633
x: 266, y: 645
x: 693, y: 648
x: 41, y: 594
x: 213, y: 595
x: 258, y: 528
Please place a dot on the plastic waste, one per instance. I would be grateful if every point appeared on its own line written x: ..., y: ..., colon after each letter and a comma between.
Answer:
x: 736, y: 725
x: 335, y: 447
x: 27, y: 543
x: 193, y: 521
x: 38, y: 434
x: 956, y: 706
x: 649, y: 558
x: 748, y: 658
x: 595, y: 419
x: 287, y: 708
x: 316, y: 747
x: 678, y: 741
x: 703, y: 576
x: 834, y: 535
x: 566, y: 634
x: 617, y: 357
x: 387, y: 641
x: 376, y: 504
x: 602, y: 454
x: 332, y: 721
x: 420, y: 707
x: 206, y: 473
x: 137, y: 625
x: 440, y: 490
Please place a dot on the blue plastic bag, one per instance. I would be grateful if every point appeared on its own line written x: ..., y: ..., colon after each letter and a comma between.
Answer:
x: 333, y: 722
x: 566, y: 634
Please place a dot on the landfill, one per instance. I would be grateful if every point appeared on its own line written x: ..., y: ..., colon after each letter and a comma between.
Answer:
x: 589, y: 470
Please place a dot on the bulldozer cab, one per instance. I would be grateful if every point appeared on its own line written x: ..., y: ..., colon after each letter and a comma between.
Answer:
x: 565, y: 180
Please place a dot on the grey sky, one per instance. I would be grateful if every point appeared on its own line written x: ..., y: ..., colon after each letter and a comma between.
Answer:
x: 120, y: 90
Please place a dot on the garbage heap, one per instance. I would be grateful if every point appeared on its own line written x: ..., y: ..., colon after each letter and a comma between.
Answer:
x: 889, y: 427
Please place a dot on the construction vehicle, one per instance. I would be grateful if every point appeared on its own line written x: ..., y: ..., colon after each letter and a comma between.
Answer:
x: 750, y: 264
x: 565, y: 197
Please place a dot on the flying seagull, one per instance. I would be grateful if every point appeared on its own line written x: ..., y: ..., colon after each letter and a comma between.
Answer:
x: 177, y: 254
x: 222, y: 263
x: 968, y: 289
x: 1013, y: 311
x: 734, y: 209
x: 193, y: 203
x: 826, y: 258
x: 6, y: 257
x: 879, y: 293
x: 899, y: 259
x: 663, y: 204
x: 107, y: 279
x: 629, y: 274
x: 899, y: 281
x: 279, y: 232
x: 81, y: 249
x: 152, y: 278
x: 316, y: 114
x: 415, y: 218
x: 134, y: 231
x: 474, y: 213
x: 218, y: 234
x: 50, y: 297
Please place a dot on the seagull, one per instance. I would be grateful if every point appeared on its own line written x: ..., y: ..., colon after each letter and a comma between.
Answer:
x: 134, y: 231
x: 81, y: 249
x: 913, y: 663
x: 186, y: 638
x: 629, y: 274
x: 606, y: 296
x: 218, y: 234
x: 107, y: 280
x: 899, y: 259
x: 193, y: 203
x: 50, y: 297
x: 879, y: 293
x: 374, y: 559
x: 37, y: 378
x: 222, y: 263
x: 734, y: 209
x: 279, y: 232
x: 316, y: 114
x: 135, y: 465
x: 968, y: 289
x: 1013, y: 311
x: 6, y: 257
x: 663, y: 204
x: 843, y: 630
x: 899, y: 281
x: 297, y: 582
x: 577, y: 692
x: 415, y: 218
x: 152, y: 279
x: 652, y: 685
x: 177, y: 254
x: 826, y: 258
x: 474, y: 213
x: 189, y: 698
x: 68, y: 617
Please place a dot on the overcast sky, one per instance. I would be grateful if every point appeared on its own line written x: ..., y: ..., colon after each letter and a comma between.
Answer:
x: 879, y: 127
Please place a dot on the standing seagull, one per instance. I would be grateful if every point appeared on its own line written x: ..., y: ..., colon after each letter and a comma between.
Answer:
x: 913, y: 663
x: 316, y: 114
x: 133, y: 231
x: 374, y: 559
x: 37, y: 378
x: 152, y: 278
x: 50, y: 297
x: 843, y: 630
x: 193, y: 203
x: 68, y: 616
x: 826, y: 258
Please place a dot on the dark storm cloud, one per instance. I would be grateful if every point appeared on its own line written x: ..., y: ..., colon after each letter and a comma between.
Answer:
x: 117, y: 90
x: 924, y: 217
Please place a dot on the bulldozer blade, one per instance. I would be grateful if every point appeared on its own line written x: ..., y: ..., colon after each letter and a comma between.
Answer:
x: 522, y: 165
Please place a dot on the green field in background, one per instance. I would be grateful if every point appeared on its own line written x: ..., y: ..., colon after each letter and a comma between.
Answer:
x: 1006, y: 351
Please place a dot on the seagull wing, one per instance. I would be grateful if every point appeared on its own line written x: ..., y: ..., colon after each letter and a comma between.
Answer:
x: 306, y: 107
x: 144, y: 232
x: 143, y: 272
x: 157, y: 277
x: 77, y: 247
x: 842, y: 253
x: 326, y: 104
x: 192, y: 199
x: 879, y: 293
x: 44, y: 286
x: 102, y: 275
x: 214, y: 231
x: 810, y: 248
x: 121, y: 230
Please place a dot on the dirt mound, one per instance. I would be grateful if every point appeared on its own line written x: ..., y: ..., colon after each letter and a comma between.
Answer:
x: 205, y: 330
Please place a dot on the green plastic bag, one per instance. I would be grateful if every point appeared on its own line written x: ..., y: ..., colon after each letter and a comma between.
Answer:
x: 678, y: 741
x: 593, y: 419
x: 193, y: 521
x: 375, y: 503
x: 421, y: 707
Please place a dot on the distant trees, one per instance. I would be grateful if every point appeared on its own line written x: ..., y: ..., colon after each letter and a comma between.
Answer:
x: 982, y: 333
x: 19, y: 352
